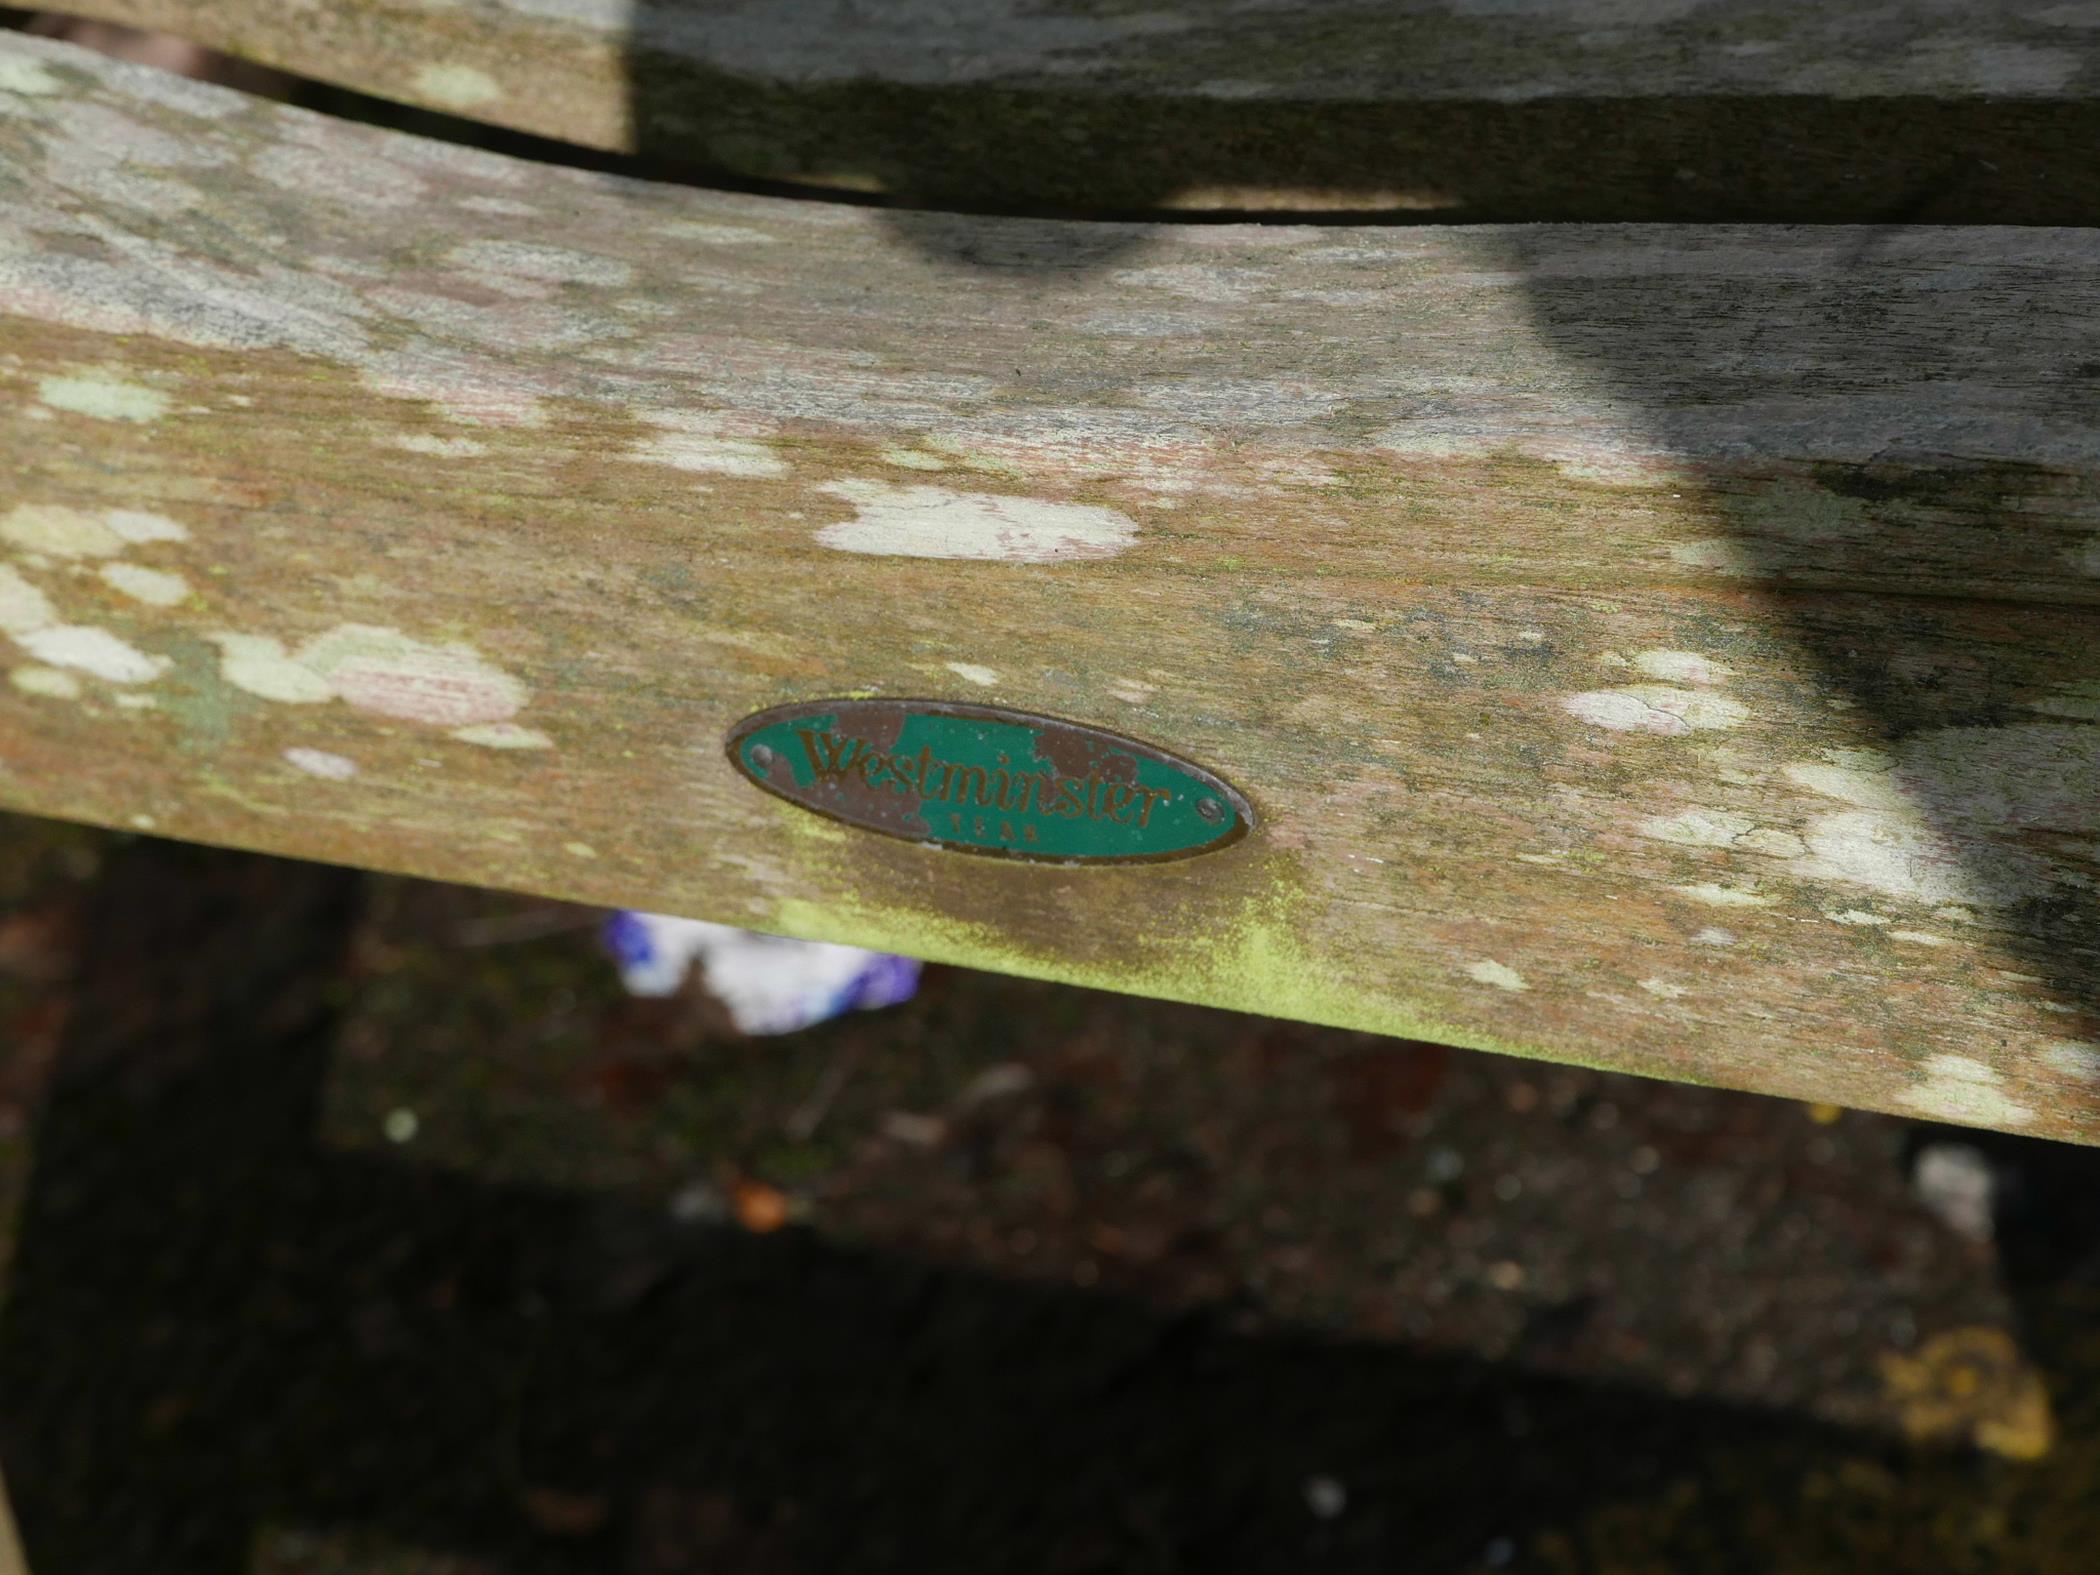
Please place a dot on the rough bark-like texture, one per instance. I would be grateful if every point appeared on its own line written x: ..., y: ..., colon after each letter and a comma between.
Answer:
x: 1635, y: 110
x: 1664, y: 648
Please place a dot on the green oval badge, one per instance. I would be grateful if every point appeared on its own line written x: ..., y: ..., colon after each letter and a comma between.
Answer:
x: 982, y: 779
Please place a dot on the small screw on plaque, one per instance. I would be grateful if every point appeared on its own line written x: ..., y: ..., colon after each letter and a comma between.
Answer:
x: 1210, y: 809
x: 761, y: 757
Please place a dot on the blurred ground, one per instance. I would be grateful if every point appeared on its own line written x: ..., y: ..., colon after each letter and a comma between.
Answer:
x: 359, y: 1224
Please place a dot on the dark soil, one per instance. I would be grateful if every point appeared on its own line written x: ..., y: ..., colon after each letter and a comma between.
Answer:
x: 361, y: 1225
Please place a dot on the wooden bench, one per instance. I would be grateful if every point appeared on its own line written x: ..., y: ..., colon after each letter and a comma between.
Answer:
x: 1665, y: 645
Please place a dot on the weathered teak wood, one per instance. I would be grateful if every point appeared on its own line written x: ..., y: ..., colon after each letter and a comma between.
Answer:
x: 1669, y: 648
x: 1642, y: 109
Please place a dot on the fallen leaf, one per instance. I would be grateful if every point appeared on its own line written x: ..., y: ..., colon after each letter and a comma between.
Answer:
x: 758, y: 1207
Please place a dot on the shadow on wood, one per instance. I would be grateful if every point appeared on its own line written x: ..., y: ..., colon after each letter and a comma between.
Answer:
x: 1976, y: 793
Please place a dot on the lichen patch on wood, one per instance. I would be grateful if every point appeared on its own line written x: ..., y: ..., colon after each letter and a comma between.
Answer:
x: 938, y: 522
x: 518, y: 505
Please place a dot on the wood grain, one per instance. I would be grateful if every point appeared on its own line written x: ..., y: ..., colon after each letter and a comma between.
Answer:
x: 1667, y: 648
x: 1477, y: 110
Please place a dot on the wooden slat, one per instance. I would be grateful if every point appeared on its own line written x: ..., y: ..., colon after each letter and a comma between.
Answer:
x: 11, y: 1559
x: 1668, y: 648
x: 1759, y: 109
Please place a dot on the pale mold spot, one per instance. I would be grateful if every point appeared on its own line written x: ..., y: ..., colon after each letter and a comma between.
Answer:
x: 1713, y: 935
x: 717, y: 456
x: 322, y: 763
x: 1867, y: 788
x: 913, y: 459
x: 1895, y: 855
x: 28, y: 78
x: 1500, y: 975
x: 2073, y: 1058
x: 708, y: 234
x: 137, y: 702
x: 1919, y: 938
x: 709, y: 442
x: 142, y: 526
x: 104, y: 397
x: 1888, y: 844
x: 1681, y: 667
x: 60, y: 532
x: 935, y: 522
x: 457, y: 87
x: 972, y: 673
x: 391, y: 674
x: 1961, y: 1090
x: 1355, y: 625
x: 1131, y: 692
x: 1664, y: 989
x: 154, y: 587
x: 1699, y: 828
x: 441, y: 447
x: 581, y: 850
x: 1856, y: 916
x: 1655, y: 708
x: 503, y: 735
x: 258, y: 665
x: 1723, y: 896
x: 23, y: 608
x: 48, y: 682
x: 91, y: 650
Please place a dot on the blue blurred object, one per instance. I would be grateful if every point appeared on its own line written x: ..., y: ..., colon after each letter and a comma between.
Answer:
x: 769, y: 983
